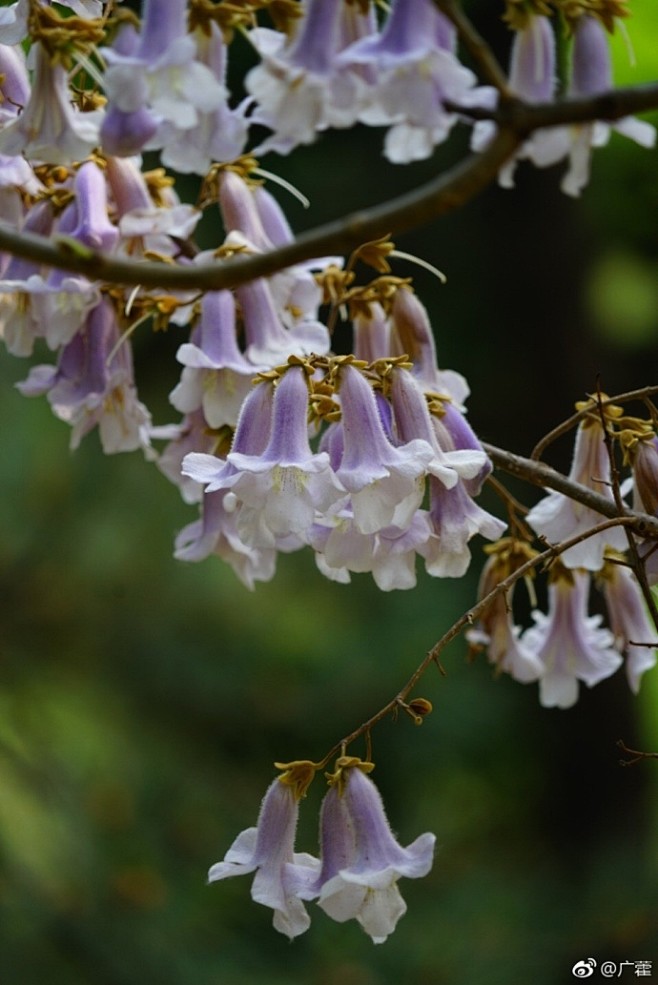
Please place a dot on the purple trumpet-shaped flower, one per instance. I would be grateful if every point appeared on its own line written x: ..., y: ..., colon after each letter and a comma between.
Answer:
x: 299, y: 87
x: 386, y: 483
x: 558, y: 517
x: 268, y: 340
x: 644, y: 456
x: 629, y: 621
x: 413, y: 335
x: 495, y: 630
x: 155, y: 78
x: 412, y: 420
x: 591, y: 73
x: 216, y: 532
x: 279, y: 492
x: 19, y: 324
x: 281, y: 874
x: 65, y: 299
x: 254, y: 220
x: 251, y: 437
x: 455, y: 518
x: 416, y: 73
x: 216, y: 377
x: 93, y: 386
x: 570, y: 645
x: 532, y: 76
x: 49, y: 128
x: 143, y: 225
x: 361, y: 859
x: 219, y: 134
x: 389, y: 555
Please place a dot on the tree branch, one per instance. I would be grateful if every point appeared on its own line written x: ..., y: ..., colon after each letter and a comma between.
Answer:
x: 539, y: 474
x: 444, y: 194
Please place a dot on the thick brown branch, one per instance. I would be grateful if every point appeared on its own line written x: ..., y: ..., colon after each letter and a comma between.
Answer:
x: 444, y: 194
x: 539, y: 474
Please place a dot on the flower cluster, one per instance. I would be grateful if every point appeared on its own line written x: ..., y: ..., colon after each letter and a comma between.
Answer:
x: 533, y: 77
x: 360, y: 861
x: 567, y: 645
x: 389, y: 431
x: 161, y: 84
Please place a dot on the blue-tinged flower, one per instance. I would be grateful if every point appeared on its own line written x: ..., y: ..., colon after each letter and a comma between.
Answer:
x: 254, y: 220
x: 386, y: 482
x: 216, y: 532
x: 455, y: 518
x: 532, y: 77
x: 570, y: 645
x: 282, y: 875
x: 413, y: 335
x: 155, y: 77
x: 389, y: 555
x: 629, y: 619
x: 93, y: 386
x: 268, y: 340
x: 18, y: 324
x: 558, y: 517
x: 251, y: 437
x: 144, y: 226
x: 49, y: 128
x: 64, y: 300
x: 412, y: 420
x: 279, y: 491
x: 416, y: 73
x: 361, y: 859
x: 216, y: 377
x: 591, y: 74
x: 219, y: 134
x: 299, y: 87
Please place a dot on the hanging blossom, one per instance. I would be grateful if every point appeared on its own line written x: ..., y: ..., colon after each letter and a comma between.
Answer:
x: 361, y: 860
x: 532, y: 76
x: 570, y: 645
x: 93, y: 386
x: 216, y: 531
x: 411, y: 73
x: 495, y: 630
x: 278, y: 490
x: 49, y: 128
x: 300, y: 88
x: 155, y: 77
x: 633, y: 629
x: 255, y: 222
x: 281, y: 874
x: 557, y: 517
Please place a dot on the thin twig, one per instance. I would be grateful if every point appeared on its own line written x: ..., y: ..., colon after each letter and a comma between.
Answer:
x: 642, y: 394
x: 539, y: 474
x: 477, y: 47
x: 635, y: 562
x: 467, y: 619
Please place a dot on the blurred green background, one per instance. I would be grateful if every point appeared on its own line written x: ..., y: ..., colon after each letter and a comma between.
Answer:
x: 143, y: 701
